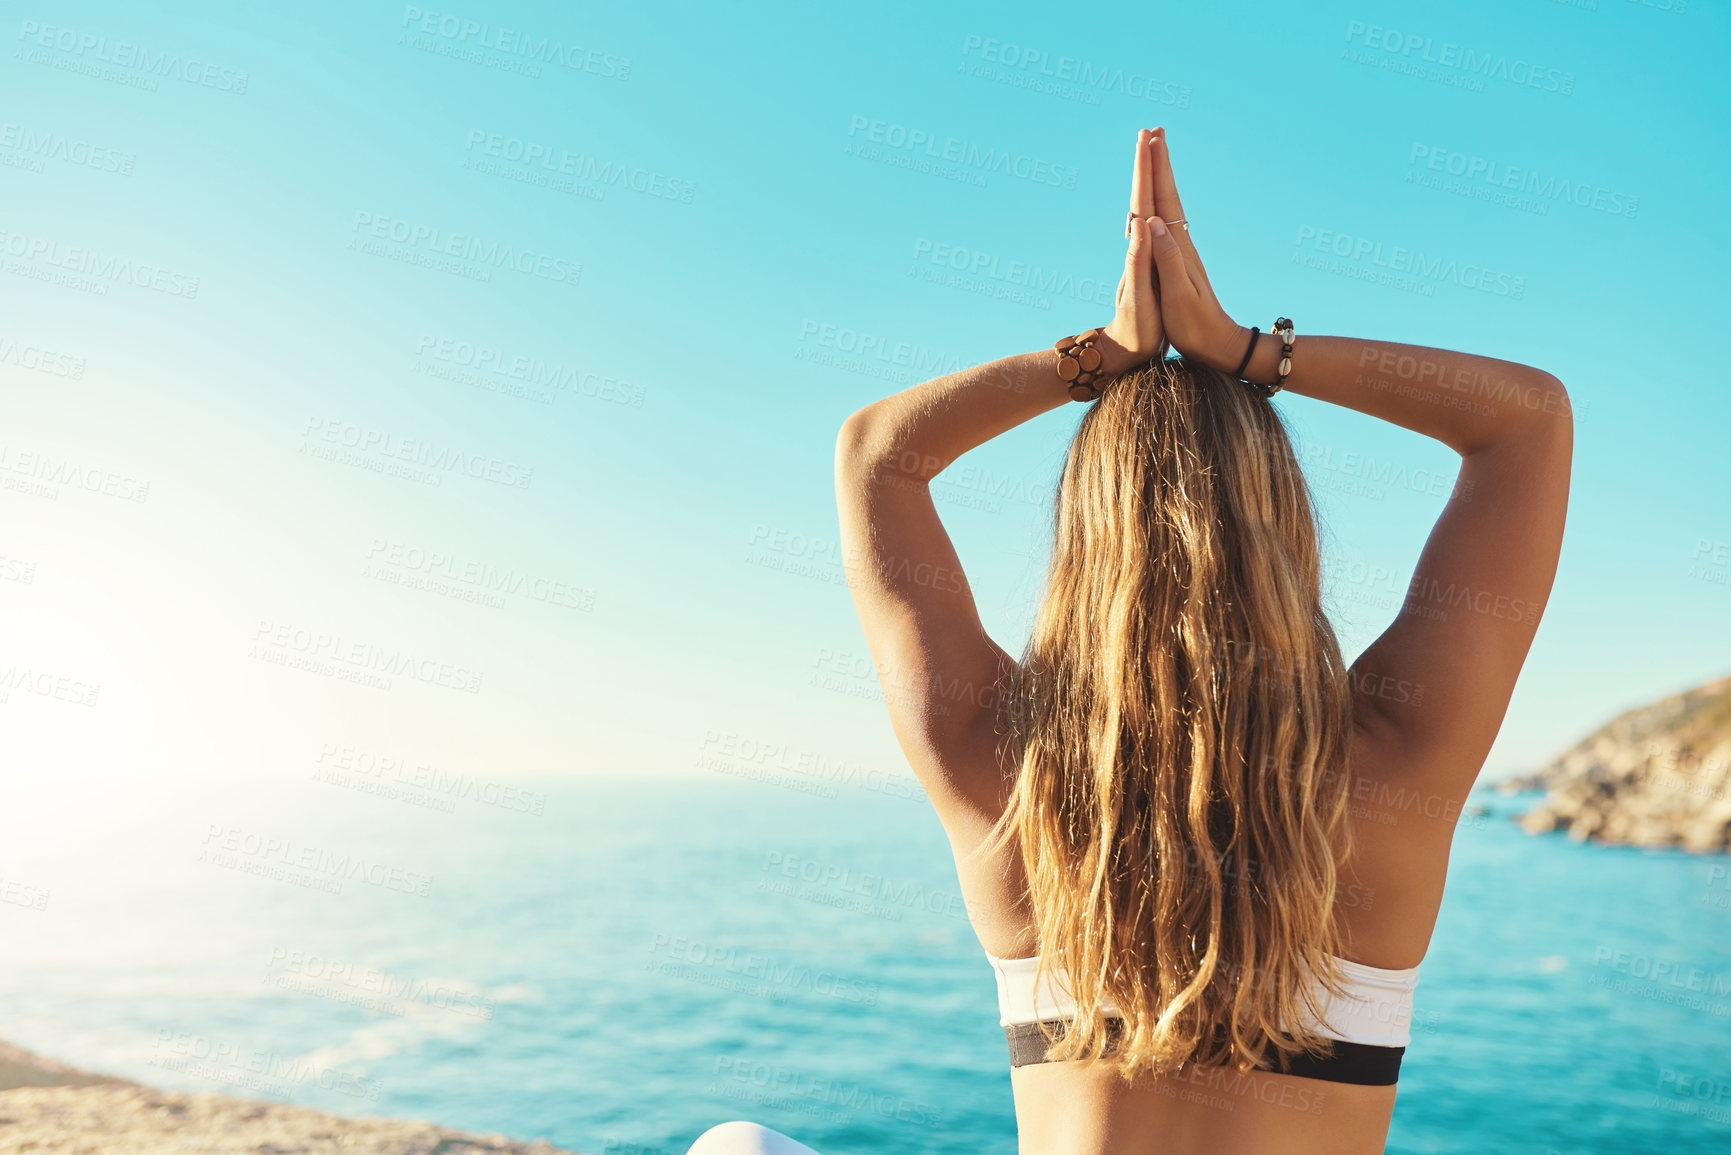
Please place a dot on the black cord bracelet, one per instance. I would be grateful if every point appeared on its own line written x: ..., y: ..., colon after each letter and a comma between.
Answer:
x: 1245, y: 364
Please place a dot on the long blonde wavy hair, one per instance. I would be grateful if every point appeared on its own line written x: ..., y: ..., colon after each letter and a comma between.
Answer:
x: 1180, y: 722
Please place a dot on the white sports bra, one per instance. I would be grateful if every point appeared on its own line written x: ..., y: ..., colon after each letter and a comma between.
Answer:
x: 1376, y: 1010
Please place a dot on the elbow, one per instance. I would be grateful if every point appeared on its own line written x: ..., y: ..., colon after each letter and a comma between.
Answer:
x: 872, y: 439
x: 855, y: 435
x: 1547, y: 433
x: 1534, y: 407
x: 1555, y: 393
x: 1556, y: 407
x: 861, y: 439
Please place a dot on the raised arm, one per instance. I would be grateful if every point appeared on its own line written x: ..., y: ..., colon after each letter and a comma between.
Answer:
x: 1440, y: 676
x: 939, y: 671
x: 1437, y: 682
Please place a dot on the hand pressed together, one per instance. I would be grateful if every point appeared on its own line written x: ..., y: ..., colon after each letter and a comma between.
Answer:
x: 1164, y: 294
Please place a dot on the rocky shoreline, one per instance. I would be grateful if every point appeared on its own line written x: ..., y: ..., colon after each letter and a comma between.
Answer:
x: 48, y: 1108
x: 1655, y: 776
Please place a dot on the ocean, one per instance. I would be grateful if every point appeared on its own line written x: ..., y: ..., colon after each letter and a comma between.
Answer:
x: 617, y: 965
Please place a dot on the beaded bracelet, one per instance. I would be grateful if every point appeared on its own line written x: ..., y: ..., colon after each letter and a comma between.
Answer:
x: 1079, y: 364
x: 1281, y: 328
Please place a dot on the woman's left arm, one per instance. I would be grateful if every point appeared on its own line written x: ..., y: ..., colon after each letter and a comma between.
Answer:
x: 939, y: 671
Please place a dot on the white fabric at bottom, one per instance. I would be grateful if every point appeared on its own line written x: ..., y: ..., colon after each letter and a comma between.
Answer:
x: 1376, y: 1008
x: 746, y: 1139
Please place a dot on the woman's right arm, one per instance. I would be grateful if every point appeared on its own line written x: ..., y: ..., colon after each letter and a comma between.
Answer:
x: 1432, y: 690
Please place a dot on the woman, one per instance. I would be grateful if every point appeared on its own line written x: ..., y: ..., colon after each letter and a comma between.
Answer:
x: 1203, y: 855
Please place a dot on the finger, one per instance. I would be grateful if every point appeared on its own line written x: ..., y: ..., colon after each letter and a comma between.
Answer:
x: 1166, y: 201
x: 1127, y: 279
x: 1142, y: 176
x: 1139, y: 271
x: 1168, y: 259
x: 1150, y: 321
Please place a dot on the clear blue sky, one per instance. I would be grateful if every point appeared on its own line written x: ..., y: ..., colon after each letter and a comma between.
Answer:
x: 584, y: 292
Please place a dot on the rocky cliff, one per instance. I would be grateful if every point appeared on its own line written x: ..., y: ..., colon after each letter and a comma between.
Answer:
x: 1659, y: 775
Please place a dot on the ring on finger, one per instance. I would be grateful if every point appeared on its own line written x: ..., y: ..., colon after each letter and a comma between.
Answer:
x: 1133, y: 215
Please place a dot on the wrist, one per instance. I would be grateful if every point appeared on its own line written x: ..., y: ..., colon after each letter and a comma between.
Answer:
x: 1227, y: 351
x: 1115, y: 359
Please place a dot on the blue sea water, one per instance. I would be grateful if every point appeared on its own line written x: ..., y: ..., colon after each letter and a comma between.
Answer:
x: 643, y: 959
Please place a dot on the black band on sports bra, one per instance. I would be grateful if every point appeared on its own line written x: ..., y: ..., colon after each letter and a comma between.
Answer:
x: 1357, y: 1063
